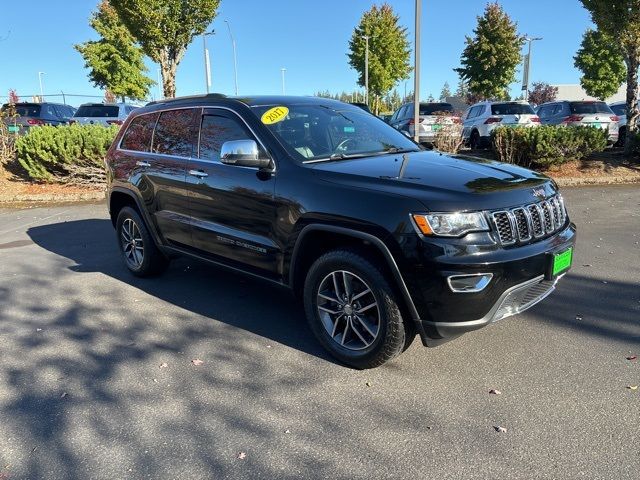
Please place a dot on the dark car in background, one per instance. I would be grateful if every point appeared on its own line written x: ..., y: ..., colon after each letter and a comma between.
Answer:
x: 584, y: 113
x: 381, y: 239
x: 28, y: 114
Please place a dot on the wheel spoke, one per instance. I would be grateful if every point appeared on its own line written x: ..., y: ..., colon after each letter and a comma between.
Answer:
x: 364, y: 309
x: 355, y: 330
x: 347, y: 287
x: 346, y: 329
x: 335, y: 284
x: 335, y: 325
x: 363, y: 322
x: 360, y: 295
x: 327, y: 297
x: 325, y: 309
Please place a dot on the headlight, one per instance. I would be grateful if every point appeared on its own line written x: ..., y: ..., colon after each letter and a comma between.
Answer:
x: 451, y: 224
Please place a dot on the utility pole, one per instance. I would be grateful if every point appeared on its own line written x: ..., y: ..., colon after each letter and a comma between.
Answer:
x: 207, y: 65
x: 416, y: 75
x: 235, y: 58
x: 527, y: 64
x: 41, y: 89
x: 283, y: 89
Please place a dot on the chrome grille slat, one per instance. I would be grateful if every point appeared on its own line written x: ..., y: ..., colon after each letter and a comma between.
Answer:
x: 528, y: 222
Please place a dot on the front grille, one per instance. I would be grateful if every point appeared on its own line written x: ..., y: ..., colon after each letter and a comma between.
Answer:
x: 524, y: 297
x: 536, y: 220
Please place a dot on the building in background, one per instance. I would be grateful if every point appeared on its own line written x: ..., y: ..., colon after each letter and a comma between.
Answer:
x: 576, y: 92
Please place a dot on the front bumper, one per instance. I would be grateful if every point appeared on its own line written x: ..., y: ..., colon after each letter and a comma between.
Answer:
x: 517, y: 284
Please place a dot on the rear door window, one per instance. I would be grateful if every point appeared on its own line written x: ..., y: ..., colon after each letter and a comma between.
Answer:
x: 176, y: 132
x: 98, y: 111
x: 139, y: 133
x: 511, y: 109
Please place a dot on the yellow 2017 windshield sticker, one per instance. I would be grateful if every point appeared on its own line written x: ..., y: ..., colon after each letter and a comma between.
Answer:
x: 274, y: 115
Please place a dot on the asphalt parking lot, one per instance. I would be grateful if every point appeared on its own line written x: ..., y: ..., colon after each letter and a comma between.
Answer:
x: 97, y: 379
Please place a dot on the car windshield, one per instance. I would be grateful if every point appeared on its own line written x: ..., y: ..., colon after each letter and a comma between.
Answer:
x: 589, y: 107
x: 97, y: 111
x: 512, y: 109
x: 313, y: 132
x: 431, y: 108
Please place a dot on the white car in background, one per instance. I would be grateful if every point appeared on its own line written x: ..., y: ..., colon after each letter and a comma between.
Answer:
x: 620, y: 109
x: 482, y: 118
x: 103, y: 113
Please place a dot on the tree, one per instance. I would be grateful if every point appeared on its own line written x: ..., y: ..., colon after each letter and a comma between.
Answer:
x: 621, y: 20
x: 13, y: 96
x: 164, y: 29
x: 542, y: 93
x: 490, y: 58
x: 462, y: 89
x: 115, y: 62
x: 430, y: 99
x: 445, y: 92
x: 389, y: 50
x: 601, y: 63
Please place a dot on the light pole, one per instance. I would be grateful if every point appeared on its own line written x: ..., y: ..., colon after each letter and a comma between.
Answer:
x: 41, y: 89
x: 527, y: 64
x: 416, y: 75
x: 366, y: 68
x: 235, y: 58
x: 283, y: 70
x: 160, y: 90
x: 207, y: 66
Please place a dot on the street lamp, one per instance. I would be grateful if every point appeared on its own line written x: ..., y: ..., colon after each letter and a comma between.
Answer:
x: 416, y: 75
x: 527, y: 64
x: 235, y: 59
x: 366, y: 67
x: 41, y: 89
x: 283, y: 70
x: 207, y: 66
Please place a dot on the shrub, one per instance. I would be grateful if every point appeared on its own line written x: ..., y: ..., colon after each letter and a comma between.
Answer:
x: 66, y: 154
x: 546, y: 145
x: 7, y: 140
x: 448, y: 138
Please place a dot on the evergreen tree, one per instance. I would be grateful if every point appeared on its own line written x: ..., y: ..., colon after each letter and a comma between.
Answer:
x: 445, y: 92
x: 490, y: 58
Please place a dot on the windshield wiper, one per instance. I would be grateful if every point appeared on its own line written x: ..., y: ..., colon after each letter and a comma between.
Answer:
x: 399, y: 150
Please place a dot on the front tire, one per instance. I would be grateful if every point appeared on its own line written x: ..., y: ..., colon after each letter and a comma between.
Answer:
x: 474, y: 142
x: 139, y: 252
x: 353, y: 311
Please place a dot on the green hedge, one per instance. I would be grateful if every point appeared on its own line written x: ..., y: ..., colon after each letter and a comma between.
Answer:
x: 546, y: 145
x: 68, y: 154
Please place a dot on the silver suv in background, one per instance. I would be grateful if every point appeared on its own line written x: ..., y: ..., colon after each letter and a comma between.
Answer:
x: 433, y: 116
x: 482, y: 118
x: 103, y: 113
x: 583, y: 113
x: 620, y: 109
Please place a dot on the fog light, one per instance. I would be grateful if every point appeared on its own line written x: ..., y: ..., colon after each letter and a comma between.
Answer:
x: 469, y: 283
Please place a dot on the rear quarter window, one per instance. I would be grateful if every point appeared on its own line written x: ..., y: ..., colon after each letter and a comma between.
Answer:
x: 139, y: 133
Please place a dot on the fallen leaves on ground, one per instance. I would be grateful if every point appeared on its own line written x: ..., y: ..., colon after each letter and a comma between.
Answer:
x: 197, y: 362
x: 632, y: 387
x: 368, y: 384
x: 241, y: 455
x: 163, y: 365
x: 632, y: 357
x: 495, y: 392
x: 500, y: 429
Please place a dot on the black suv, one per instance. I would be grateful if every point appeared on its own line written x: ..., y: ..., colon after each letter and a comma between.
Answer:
x: 24, y: 115
x: 381, y: 239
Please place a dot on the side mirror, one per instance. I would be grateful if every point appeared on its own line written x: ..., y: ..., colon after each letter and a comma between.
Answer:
x: 243, y: 153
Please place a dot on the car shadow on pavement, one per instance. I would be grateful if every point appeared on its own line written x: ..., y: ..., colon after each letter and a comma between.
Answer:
x: 214, y: 292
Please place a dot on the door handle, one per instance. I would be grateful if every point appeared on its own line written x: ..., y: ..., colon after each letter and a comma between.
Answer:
x: 198, y: 173
x: 140, y: 163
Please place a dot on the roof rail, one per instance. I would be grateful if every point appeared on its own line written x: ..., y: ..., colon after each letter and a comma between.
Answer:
x: 211, y: 96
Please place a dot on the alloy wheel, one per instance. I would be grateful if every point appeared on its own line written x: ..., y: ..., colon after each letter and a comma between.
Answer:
x: 348, y: 310
x: 132, y: 243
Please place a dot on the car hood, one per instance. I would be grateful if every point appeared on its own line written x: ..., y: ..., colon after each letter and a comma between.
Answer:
x: 441, y: 182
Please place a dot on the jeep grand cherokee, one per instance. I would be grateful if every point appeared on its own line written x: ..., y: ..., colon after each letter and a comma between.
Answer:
x: 381, y: 239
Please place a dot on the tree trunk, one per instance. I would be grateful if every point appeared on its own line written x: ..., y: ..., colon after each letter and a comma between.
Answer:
x: 168, y: 66
x: 632, y: 60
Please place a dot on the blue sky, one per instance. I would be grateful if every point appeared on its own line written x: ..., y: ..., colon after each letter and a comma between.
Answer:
x: 308, y: 38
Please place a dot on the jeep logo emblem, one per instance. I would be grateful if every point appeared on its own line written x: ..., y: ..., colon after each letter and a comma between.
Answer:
x: 538, y: 193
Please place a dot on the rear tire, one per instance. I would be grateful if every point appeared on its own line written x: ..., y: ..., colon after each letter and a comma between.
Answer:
x: 353, y: 311
x: 139, y: 252
x: 474, y: 140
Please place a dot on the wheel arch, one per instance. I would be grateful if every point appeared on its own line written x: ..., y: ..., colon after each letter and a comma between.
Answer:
x: 123, y: 197
x: 316, y: 239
